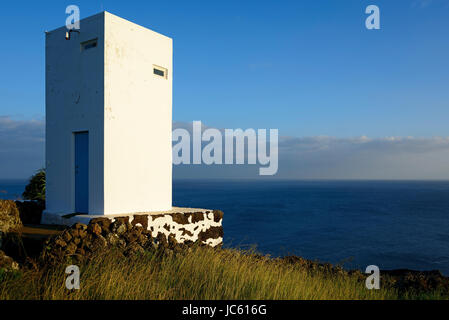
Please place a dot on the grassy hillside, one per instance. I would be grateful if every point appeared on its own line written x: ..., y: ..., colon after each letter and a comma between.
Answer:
x: 200, y: 273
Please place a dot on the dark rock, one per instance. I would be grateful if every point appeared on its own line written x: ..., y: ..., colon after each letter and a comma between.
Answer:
x: 104, y: 223
x: 161, y: 240
x: 180, y: 218
x: 149, y: 244
x: 66, y: 236
x: 142, y: 219
x: 131, y: 236
x: 7, y: 262
x: 9, y: 217
x: 121, y: 243
x: 30, y: 211
x: 121, y: 229
x: 99, y: 244
x: 112, y: 239
x: 124, y: 220
x: 94, y: 228
x: 60, y: 243
x: 80, y: 226
x: 189, y: 243
x: 70, y: 249
x: 119, y: 226
x: 141, y: 235
x: 218, y: 215
x: 85, y: 242
x: 186, y: 232
x: 196, y: 216
x: 172, y: 243
x: 80, y: 251
x: 156, y: 216
x: 82, y: 233
x: 211, y: 233
x: 73, y: 232
x: 419, y: 281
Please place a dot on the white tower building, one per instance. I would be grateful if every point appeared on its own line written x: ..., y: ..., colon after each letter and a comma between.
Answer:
x: 108, y: 119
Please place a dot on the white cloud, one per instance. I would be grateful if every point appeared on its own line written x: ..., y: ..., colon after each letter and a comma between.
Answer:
x: 427, y: 3
x: 324, y: 157
x: 318, y: 157
x: 21, y: 147
x: 364, y: 158
x: 421, y: 3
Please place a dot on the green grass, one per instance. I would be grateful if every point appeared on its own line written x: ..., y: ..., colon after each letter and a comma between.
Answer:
x: 201, y: 273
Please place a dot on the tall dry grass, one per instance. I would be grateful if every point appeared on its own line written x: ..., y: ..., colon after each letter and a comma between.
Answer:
x: 202, y: 273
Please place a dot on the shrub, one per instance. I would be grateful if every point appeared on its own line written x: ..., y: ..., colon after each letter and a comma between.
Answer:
x: 35, y: 190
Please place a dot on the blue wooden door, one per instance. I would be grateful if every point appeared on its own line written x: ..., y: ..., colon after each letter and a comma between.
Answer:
x: 82, y: 172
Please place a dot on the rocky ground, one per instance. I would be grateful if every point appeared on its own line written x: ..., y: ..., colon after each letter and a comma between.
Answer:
x: 81, y: 242
x: 9, y: 223
x: 400, y: 279
x: 9, y: 217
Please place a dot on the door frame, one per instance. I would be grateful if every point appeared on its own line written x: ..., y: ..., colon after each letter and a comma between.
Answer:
x: 74, y: 133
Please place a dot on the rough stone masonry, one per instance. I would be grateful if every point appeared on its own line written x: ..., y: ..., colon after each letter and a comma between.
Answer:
x: 135, y: 234
x: 184, y: 224
x: 203, y: 226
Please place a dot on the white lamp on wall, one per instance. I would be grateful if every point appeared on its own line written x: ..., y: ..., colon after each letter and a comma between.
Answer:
x: 67, y: 34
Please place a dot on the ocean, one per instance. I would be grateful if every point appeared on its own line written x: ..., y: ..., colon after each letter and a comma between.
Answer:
x: 391, y: 224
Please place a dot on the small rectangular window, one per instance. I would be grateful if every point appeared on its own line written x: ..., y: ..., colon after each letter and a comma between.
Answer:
x: 159, y: 71
x: 89, y: 44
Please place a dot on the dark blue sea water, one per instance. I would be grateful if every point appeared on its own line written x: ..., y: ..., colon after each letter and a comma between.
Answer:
x: 388, y: 224
x: 392, y: 224
x: 12, y: 189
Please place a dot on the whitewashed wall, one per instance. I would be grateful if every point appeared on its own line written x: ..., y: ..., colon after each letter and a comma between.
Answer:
x: 74, y: 102
x: 138, y: 119
x: 111, y: 92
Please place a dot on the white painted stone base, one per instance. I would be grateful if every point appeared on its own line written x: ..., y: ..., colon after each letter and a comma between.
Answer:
x: 185, y: 224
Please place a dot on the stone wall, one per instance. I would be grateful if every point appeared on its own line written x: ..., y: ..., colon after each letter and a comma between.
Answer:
x: 135, y: 234
x: 205, y: 227
x: 184, y: 224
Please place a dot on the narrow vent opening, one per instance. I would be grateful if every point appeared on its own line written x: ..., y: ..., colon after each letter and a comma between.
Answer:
x: 86, y: 45
x: 159, y: 71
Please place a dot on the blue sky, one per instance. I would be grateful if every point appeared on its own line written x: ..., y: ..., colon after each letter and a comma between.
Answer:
x: 309, y: 68
x: 305, y: 67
